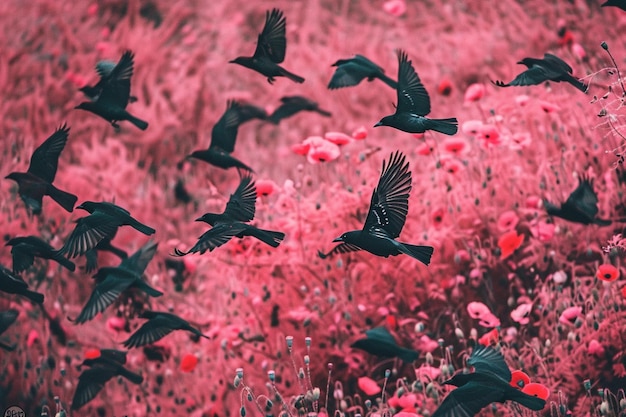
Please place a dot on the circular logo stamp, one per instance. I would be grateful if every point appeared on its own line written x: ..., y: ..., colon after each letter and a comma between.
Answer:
x: 14, y: 411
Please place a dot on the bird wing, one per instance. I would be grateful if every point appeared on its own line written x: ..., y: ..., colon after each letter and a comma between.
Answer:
x: 90, y: 383
x: 224, y: 133
x: 138, y: 261
x: 367, y: 63
x: 272, y: 42
x: 241, y: 205
x: 532, y: 76
x: 390, y: 200
x: 104, y: 68
x: 217, y: 236
x: 341, y: 248
x: 290, y: 106
x: 22, y: 259
x: 412, y: 96
x: 105, y: 294
x: 346, y: 75
x: 151, y: 331
x: 7, y: 318
x: 584, y: 199
x: 88, y: 232
x: 487, y: 360
x: 45, y: 159
x: 556, y: 63
x: 116, y: 87
x: 467, y: 400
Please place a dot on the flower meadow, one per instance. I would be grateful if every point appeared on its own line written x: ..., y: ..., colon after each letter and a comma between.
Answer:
x: 549, y: 293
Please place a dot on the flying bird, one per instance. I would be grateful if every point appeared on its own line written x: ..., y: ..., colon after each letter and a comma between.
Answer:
x: 7, y: 318
x: 104, y: 69
x: 247, y: 112
x: 580, y: 207
x: 223, y: 137
x: 490, y: 382
x: 386, y: 217
x: 615, y: 3
x: 352, y: 71
x: 378, y: 341
x: 294, y: 104
x: 159, y: 325
x: 104, y: 245
x: 37, y: 180
x: 112, y: 281
x: 414, y: 104
x: 24, y: 250
x: 14, y: 284
x: 550, y: 68
x: 233, y: 222
x: 112, y: 94
x: 102, y: 222
x: 102, y: 369
x: 270, y: 49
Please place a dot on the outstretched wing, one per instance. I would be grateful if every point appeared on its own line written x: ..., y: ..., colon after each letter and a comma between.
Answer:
x: 272, y: 42
x: 341, y: 248
x: 116, y: 88
x: 224, y: 133
x: 104, y: 294
x: 412, y: 96
x: 466, y: 401
x: 217, y: 236
x: 45, y: 159
x: 148, y: 333
x: 584, y: 199
x: 242, y: 203
x: 89, y: 231
x: 138, y: 261
x: 489, y: 360
x: 556, y: 63
x: 390, y: 200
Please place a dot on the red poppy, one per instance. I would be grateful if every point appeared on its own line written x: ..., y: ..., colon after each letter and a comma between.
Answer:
x: 566, y: 37
x: 607, y: 272
x: 337, y: 138
x: 392, y: 322
x: 474, y: 92
x: 265, y: 187
x: 300, y: 148
x: 537, y: 390
x: 445, y: 87
x: 92, y: 353
x: 360, y: 133
x: 509, y: 243
x: 454, y: 146
x: 188, y: 363
x: 490, y: 338
x: 437, y: 216
x: 624, y: 291
x: 519, y: 379
x: 424, y: 149
x: 489, y: 135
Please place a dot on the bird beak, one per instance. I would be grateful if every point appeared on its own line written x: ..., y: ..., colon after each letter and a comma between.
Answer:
x: 80, y: 207
x: 232, y: 61
x: 199, y: 219
x: 520, y: 62
x: 378, y: 124
x: 339, y: 239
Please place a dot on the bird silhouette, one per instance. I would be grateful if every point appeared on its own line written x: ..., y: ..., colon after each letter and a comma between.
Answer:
x: 580, y: 207
x: 621, y: 4
x: 490, y: 382
x: 14, y: 284
x: 37, y: 180
x: 550, y: 68
x: 24, y: 250
x: 386, y: 217
x: 159, y: 325
x: 270, y: 49
x: 378, y: 341
x: 295, y: 104
x: 352, y: 71
x: 7, y: 318
x: 414, y: 104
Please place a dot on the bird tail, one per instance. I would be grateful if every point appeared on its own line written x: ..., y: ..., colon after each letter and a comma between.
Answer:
x: 57, y: 256
x: 65, y: 199
x: 602, y: 222
x: 576, y: 83
x: 92, y: 260
x: 267, y: 236
x: 528, y: 401
x: 137, y: 122
x: 391, y: 83
x: 143, y: 286
x: 446, y: 126
x: 408, y: 355
x: 324, y: 112
x: 131, y: 376
x: 146, y: 230
x: 33, y: 296
x: 8, y: 348
x: 421, y: 253
x: 293, y: 77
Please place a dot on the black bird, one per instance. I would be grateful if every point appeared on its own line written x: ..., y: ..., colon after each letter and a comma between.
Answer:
x: 112, y: 281
x: 385, y: 219
x: 114, y: 94
x: 414, y: 104
x: 102, y: 222
x: 270, y: 50
x: 294, y: 104
x: 550, y: 68
x: 7, y: 318
x: 615, y: 3
x: 37, y: 180
x: 490, y: 382
x: 13, y: 284
x: 26, y: 248
x: 159, y: 325
x: 247, y: 112
x: 352, y: 71
x: 104, y: 69
x: 380, y: 342
x: 104, y: 245
x: 580, y: 207
x: 240, y: 209
x: 92, y: 380
x: 223, y: 137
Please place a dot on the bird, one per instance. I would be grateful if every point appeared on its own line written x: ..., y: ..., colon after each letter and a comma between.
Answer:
x: 102, y: 222
x: 580, y: 207
x: 24, y: 250
x: 352, y: 71
x: 386, y: 217
x: 102, y: 369
x: 7, y: 318
x: 159, y: 325
x: 14, y: 284
x: 104, y: 69
x: 113, y: 94
x: 104, y: 245
x: 270, y: 50
x: 223, y: 137
x: 37, y: 180
x: 490, y: 382
x: 550, y: 68
x: 294, y: 104
x: 414, y: 104
x: 112, y: 281
x: 247, y: 112
x: 239, y: 210
x: 378, y: 341
x: 621, y: 4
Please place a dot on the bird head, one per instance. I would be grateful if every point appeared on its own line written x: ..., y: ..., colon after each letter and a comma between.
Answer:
x: 385, y: 121
x: 242, y: 60
x: 526, y: 61
x: 12, y: 176
x: 209, y: 218
x: 89, y: 206
x: 341, y: 238
x: 86, y: 105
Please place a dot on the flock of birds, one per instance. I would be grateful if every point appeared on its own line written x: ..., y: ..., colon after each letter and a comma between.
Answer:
x: 386, y: 216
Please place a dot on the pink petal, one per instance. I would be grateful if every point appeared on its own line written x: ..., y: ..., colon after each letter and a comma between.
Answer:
x: 474, y: 92
x: 368, y: 386
x: 337, y: 138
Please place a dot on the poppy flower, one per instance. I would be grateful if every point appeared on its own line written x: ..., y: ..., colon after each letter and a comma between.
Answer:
x: 522, y: 100
x: 520, y: 140
x: 395, y: 7
x: 537, y: 390
x: 188, y: 363
x: 490, y: 338
x: 607, y: 272
x: 471, y: 127
x: 368, y: 386
x: 474, y: 92
x: 359, y: 133
x: 392, y: 322
x: 92, y: 353
x: 337, y: 138
x: 437, y: 216
x: 265, y: 187
x: 33, y: 336
x: 408, y: 400
x: 300, y: 149
x: 566, y: 37
x: 509, y: 243
x: 424, y: 149
x: 570, y: 314
x: 445, y: 87
x: 489, y: 320
x: 323, y: 154
x: 507, y: 221
x: 519, y: 379
x: 428, y: 371
x: 543, y: 231
x: 450, y: 165
x: 489, y: 135
x: 521, y: 313
x: 595, y: 348
x: 454, y: 146
x: 477, y: 309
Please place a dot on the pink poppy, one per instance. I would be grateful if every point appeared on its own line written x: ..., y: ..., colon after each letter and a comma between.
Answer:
x: 476, y: 309
x: 570, y: 314
x: 437, y: 216
x: 474, y: 92
x: 454, y: 145
x: 522, y: 100
x: 395, y: 7
x: 507, y: 221
x: 543, y: 231
x: 595, y: 348
x: 520, y: 140
x: 471, y: 127
x: 359, y: 133
x: 521, y: 313
x: 445, y: 87
x: 265, y: 187
x: 300, y: 148
x: 368, y: 386
x: 489, y: 135
x: 337, y: 138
